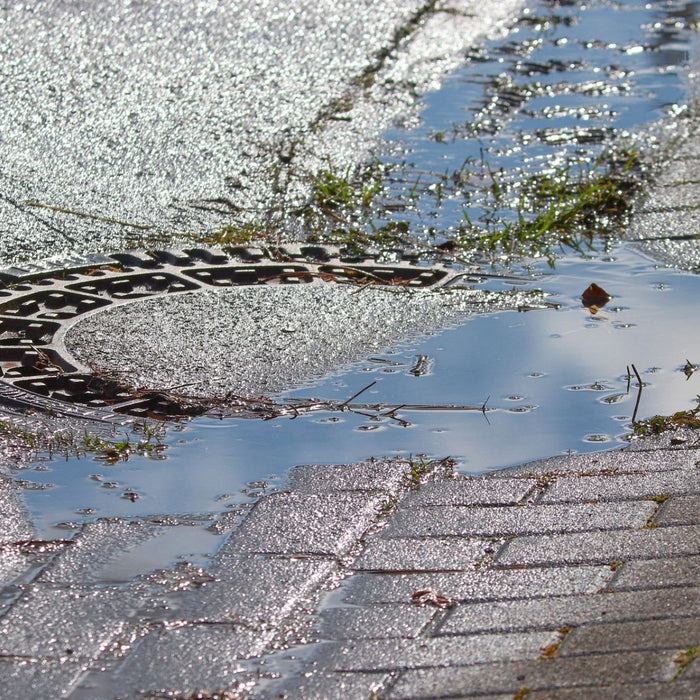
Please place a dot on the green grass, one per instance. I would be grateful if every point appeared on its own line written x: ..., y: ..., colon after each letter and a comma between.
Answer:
x: 243, y: 234
x: 661, y: 424
x: 685, y: 658
x: 143, y: 440
x: 568, y: 207
x: 520, y: 216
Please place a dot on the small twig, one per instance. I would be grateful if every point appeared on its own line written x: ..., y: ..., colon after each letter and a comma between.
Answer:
x: 392, y: 412
x: 483, y: 406
x: 361, y: 391
x: 629, y: 378
x: 483, y: 409
x: 639, y: 396
x: 85, y: 215
x: 371, y: 283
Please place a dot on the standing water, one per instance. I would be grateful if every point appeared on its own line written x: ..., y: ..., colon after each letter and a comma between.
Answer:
x: 565, y: 81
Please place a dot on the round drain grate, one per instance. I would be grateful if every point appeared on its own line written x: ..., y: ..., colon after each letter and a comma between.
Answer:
x: 38, y: 304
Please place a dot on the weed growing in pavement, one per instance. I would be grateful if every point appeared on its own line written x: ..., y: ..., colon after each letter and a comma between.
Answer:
x: 684, y: 658
x: 660, y: 424
x: 144, y: 440
x: 238, y: 235
x: 421, y: 468
x: 342, y: 207
x: 570, y: 206
x: 520, y: 216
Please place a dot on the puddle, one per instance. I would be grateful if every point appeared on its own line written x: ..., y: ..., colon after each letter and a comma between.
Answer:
x: 550, y: 381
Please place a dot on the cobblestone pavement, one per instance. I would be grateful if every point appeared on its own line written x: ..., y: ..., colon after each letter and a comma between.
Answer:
x: 574, y: 577
x: 571, y: 577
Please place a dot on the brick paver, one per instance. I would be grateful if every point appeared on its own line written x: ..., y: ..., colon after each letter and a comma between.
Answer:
x: 554, y: 596
x: 562, y: 586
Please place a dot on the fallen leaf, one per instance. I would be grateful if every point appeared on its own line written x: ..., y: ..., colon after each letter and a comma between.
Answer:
x: 429, y: 596
x: 595, y: 297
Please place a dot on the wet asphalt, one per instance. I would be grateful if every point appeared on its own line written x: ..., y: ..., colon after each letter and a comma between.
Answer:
x: 141, y: 123
x: 571, y: 577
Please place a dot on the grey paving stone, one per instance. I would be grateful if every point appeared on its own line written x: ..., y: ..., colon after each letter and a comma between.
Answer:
x: 68, y: 622
x: 679, y: 510
x: 13, y: 563
x: 674, y: 633
x: 610, y: 546
x: 376, y: 621
x: 642, y: 458
x: 94, y: 547
x: 432, y: 554
x: 626, y: 486
x: 186, y: 660
x: 257, y: 591
x: 328, y: 686
x: 682, y: 254
x: 691, y: 671
x: 672, y: 690
x: 688, y: 149
x: 479, y: 585
x: 372, y: 475
x: 15, y: 524
x: 553, y: 613
x: 494, y: 678
x: 398, y: 654
x: 656, y: 573
x: 681, y: 194
x: 683, y: 169
x: 517, y: 520
x: 38, y: 679
x: 666, y: 223
x: 489, y: 491
x: 291, y: 523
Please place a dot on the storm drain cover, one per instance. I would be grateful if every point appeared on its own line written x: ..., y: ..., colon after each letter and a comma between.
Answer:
x: 162, y: 334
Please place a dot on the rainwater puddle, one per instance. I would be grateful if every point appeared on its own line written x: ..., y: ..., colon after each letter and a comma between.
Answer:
x: 528, y: 385
x: 553, y: 381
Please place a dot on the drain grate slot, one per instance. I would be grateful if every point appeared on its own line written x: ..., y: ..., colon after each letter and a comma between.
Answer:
x: 20, y: 331
x: 135, y: 286
x: 54, y: 305
x: 411, y: 277
x: 78, y: 388
x: 234, y: 276
x: 30, y: 361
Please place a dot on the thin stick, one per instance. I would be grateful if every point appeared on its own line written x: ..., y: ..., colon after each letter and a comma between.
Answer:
x: 361, y: 391
x: 85, y: 215
x: 639, y: 396
x: 629, y: 377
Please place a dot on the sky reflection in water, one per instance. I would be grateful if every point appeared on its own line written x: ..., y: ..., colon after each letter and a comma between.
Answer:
x: 555, y: 381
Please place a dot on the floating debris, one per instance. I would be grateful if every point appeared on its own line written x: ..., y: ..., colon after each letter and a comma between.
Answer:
x: 595, y: 297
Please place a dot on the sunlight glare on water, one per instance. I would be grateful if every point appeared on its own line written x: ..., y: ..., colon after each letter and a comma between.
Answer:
x: 554, y: 381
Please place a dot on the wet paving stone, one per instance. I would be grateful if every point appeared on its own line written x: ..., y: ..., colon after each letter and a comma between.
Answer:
x: 517, y: 520
x: 511, y: 677
x: 556, y: 612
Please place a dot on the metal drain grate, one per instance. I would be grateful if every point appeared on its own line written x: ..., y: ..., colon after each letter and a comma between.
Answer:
x: 39, y: 303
